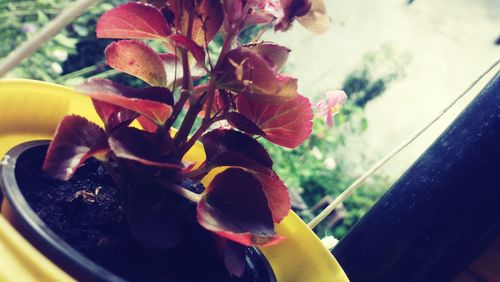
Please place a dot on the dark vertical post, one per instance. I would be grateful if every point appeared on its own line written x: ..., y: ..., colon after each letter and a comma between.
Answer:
x: 442, y: 212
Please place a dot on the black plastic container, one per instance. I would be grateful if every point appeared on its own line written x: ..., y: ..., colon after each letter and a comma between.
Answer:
x: 442, y: 212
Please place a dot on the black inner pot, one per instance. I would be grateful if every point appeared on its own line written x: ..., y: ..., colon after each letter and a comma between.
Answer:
x: 85, y: 213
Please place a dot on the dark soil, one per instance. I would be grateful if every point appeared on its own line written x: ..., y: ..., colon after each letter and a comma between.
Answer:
x: 86, y: 213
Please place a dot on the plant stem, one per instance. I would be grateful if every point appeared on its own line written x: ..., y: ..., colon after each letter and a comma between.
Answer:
x: 228, y: 41
x: 211, y: 94
x: 187, y: 84
x: 187, y: 124
x: 204, y: 126
x: 190, y: 117
x: 184, y: 96
x: 194, y: 110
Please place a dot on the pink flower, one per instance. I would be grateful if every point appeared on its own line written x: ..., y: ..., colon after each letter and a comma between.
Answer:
x: 331, y: 104
x: 29, y: 28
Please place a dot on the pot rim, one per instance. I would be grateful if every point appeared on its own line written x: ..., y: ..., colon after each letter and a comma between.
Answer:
x: 48, y: 241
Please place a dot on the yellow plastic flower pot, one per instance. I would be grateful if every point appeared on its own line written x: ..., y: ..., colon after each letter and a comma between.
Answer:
x: 31, y: 110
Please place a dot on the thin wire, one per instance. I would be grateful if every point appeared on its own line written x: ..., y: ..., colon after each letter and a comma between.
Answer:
x: 356, y: 184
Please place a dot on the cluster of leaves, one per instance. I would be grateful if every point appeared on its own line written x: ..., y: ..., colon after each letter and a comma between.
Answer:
x: 240, y: 96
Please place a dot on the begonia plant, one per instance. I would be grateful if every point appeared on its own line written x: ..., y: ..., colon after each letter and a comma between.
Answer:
x: 239, y: 95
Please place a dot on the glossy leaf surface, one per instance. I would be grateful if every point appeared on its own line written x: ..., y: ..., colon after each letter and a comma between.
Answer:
x: 133, y: 20
x: 235, y: 149
x: 137, y: 59
x: 242, y: 123
x: 113, y: 116
x: 235, y: 207
x: 76, y: 139
x: 141, y: 146
x: 146, y: 124
x: 276, y: 193
x: 219, y: 141
x: 287, y: 124
x: 153, y: 102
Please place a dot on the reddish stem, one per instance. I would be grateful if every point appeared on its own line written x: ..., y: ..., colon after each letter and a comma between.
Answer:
x: 204, y: 126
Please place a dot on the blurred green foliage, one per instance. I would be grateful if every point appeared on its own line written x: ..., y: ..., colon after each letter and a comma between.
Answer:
x: 20, y: 20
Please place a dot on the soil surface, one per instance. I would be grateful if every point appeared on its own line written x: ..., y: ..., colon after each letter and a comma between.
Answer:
x: 86, y: 213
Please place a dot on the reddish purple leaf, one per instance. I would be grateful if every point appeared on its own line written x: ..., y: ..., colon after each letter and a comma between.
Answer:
x: 153, y: 102
x: 244, y: 70
x: 235, y: 207
x: 235, y: 149
x: 142, y: 146
x: 76, y: 139
x: 219, y: 141
x: 133, y: 20
x: 276, y: 193
x: 242, y: 123
x: 276, y: 55
x: 137, y: 59
x: 113, y: 116
x: 287, y: 124
x: 146, y: 124
x: 196, y: 50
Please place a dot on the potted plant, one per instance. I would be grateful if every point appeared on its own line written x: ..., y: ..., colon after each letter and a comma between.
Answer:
x: 141, y: 205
